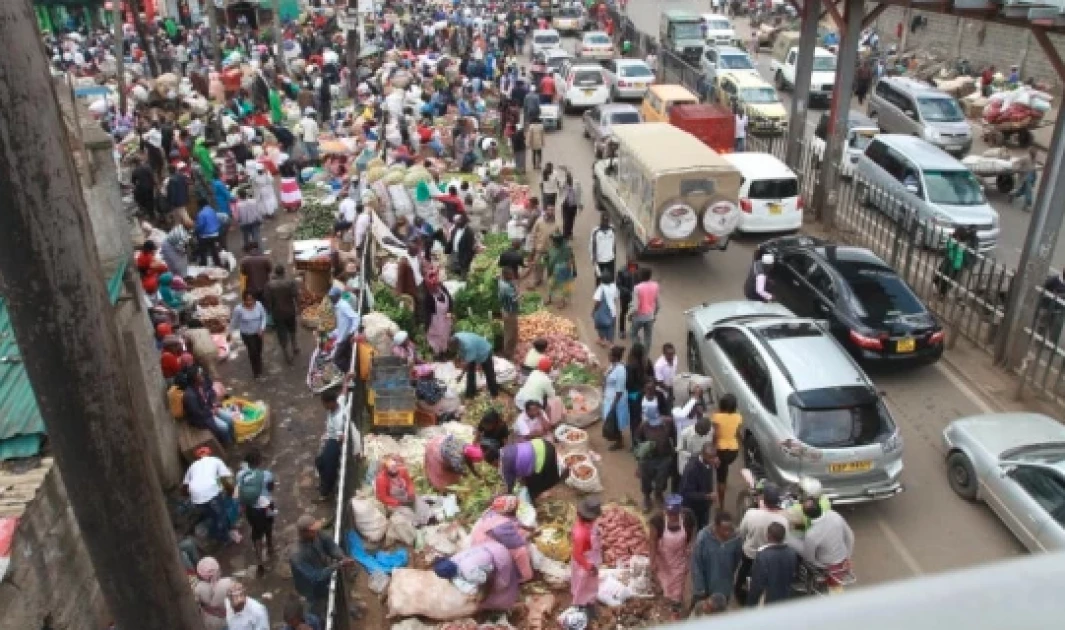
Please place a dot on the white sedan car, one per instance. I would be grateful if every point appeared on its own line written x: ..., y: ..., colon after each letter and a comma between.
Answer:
x: 581, y: 85
x: 596, y: 45
x: 628, y: 78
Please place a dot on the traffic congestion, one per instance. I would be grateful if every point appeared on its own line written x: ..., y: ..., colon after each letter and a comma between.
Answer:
x: 579, y: 352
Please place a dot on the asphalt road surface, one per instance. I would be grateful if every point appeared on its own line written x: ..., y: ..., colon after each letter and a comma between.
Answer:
x: 927, y: 529
x: 1014, y: 221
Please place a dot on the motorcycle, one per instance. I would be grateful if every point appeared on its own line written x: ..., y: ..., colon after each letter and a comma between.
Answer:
x: 815, y: 581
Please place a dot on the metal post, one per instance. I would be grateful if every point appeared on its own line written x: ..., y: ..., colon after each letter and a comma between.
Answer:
x: 120, y: 57
x: 1039, y: 247
x: 281, y: 63
x: 212, y: 27
x: 907, y: 17
x: 826, y: 195
x: 62, y: 319
x: 801, y: 94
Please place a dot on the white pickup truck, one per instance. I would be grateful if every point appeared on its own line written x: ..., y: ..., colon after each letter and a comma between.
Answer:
x: 860, y: 132
x: 785, y: 59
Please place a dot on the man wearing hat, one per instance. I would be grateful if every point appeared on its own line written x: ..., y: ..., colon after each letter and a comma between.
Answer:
x: 313, y: 561
x: 587, y: 555
x: 754, y: 530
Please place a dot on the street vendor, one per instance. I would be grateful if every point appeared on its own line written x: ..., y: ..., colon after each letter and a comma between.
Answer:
x: 487, y: 566
x: 403, y: 348
x: 532, y: 422
x: 533, y: 356
x: 447, y: 458
x: 538, y: 385
x: 491, y: 430
x: 470, y: 351
x: 534, y: 463
x: 587, y: 555
x: 393, y: 485
x: 500, y: 524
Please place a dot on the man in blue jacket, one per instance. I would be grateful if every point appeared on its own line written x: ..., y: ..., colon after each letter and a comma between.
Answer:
x: 208, y: 231
x: 774, y: 568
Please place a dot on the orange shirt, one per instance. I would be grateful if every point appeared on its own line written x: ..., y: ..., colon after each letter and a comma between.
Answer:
x: 547, y: 86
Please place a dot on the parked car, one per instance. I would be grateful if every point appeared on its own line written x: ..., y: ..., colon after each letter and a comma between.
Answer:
x: 906, y: 106
x: 766, y: 114
x: 860, y: 132
x: 545, y: 39
x: 551, y: 59
x: 769, y: 196
x: 1015, y: 463
x: 726, y: 59
x: 661, y: 98
x: 628, y: 78
x: 581, y: 84
x: 870, y: 310
x: 902, y: 175
x: 784, y: 62
x: 569, y: 19
x: 595, y: 45
x: 718, y: 30
x: 600, y: 120
x: 808, y: 408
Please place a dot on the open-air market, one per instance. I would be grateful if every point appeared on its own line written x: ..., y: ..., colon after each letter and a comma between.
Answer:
x: 471, y: 314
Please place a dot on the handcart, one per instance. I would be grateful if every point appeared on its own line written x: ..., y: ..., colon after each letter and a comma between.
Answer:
x: 392, y: 399
x: 1016, y: 132
x: 1004, y: 172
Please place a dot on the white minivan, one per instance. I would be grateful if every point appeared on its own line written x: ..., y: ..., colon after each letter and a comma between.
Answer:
x: 545, y: 39
x: 769, y: 195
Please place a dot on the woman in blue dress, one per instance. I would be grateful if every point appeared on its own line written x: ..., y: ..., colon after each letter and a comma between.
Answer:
x: 614, y: 396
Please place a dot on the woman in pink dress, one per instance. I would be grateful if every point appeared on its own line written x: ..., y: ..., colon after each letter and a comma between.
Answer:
x: 500, y: 524
x: 447, y: 459
x: 587, y: 556
x: 672, y: 535
x: 437, y: 313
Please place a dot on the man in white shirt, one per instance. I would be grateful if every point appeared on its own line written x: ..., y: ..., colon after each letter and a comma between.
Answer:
x: 243, y: 612
x: 308, y: 130
x: 362, y: 226
x: 205, y: 481
x: 603, y: 248
x: 754, y: 530
x: 328, y: 460
x: 741, y: 130
x: 666, y: 370
x: 538, y: 386
x: 345, y: 219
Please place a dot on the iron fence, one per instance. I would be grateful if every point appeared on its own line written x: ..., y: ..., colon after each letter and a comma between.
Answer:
x: 672, y: 68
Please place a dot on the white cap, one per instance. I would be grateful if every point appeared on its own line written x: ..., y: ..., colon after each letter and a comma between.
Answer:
x: 400, y: 338
x: 767, y: 259
x: 810, y: 487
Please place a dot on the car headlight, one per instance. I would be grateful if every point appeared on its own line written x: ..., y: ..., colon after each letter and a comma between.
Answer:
x: 893, y: 443
x: 931, y: 134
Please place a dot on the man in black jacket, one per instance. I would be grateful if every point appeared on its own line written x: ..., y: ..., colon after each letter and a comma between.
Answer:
x: 461, y: 245
x: 626, y: 284
x: 697, y: 485
x: 773, y: 570
x: 177, y: 188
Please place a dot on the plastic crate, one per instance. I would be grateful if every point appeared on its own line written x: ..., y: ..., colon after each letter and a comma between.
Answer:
x: 393, y: 418
x: 395, y: 399
x: 389, y: 373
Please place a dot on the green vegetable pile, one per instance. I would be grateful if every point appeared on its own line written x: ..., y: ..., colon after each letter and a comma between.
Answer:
x: 316, y: 221
x: 531, y: 302
x: 475, y: 494
x: 387, y: 303
x: 478, y: 301
x: 576, y: 374
x: 480, y: 405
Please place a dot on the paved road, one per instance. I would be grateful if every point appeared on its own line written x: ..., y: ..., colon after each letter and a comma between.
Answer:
x: 914, y: 533
x: 645, y: 14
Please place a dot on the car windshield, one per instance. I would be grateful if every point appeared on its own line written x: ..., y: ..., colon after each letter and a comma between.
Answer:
x: 598, y: 40
x: 588, y: 77
x: 880, y: 293
x: 1052, y: 454
x: 937, y: 109
x: 570, y: 12
x: 775, y: 189
x: 636, y: 71
x: 687, y: 30
x: 736, y: 62
x: 824, y: 63
x: 953, y: 188
x: 624, y: 118
x: 556, y: 62
x: 547, y: 38
x: 841, y: 428
x: 760, y: 95
x: 718, y: 25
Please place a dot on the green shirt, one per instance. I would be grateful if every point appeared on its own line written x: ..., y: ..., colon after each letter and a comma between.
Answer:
x: 277, y: 116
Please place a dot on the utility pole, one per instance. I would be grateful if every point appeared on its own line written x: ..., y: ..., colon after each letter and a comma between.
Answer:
x: 801, y: 94
x: 120, y: 56
x: 281, y: 62
x: 352, y: 41
x: 212, y: 26
x: 62, y: 319
x: 135, y: 7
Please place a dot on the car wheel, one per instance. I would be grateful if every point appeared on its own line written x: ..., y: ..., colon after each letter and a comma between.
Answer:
x: 962, y: 476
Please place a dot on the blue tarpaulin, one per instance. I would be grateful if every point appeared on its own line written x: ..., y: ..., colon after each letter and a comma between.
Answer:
x: 21, y: 427
x: 380, y: 562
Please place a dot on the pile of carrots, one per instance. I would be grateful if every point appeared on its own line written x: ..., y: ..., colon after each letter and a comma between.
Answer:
x: 623, y: 535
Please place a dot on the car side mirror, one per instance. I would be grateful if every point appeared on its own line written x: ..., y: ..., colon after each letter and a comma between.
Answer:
x: 912, y: 114
x: 913, y: 188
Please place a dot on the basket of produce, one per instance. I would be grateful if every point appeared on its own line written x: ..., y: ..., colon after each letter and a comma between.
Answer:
x: 323, y: 374
x: 584, y: 477
x: 583, y: 405
x: 554, y: 543
x: 571, y: 439
x: 562, y: 349
x: 212, y: 289
x: 208, y: 300
x: 623, y: 534
x: 573, y: 459
x: 249, y: 418
x: 544, y: 324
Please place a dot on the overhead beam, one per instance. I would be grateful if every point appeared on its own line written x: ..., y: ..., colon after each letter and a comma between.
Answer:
x: 830, y: 7
x: 1053, y: 56
x: 796, y: 5
x: 875, y: 13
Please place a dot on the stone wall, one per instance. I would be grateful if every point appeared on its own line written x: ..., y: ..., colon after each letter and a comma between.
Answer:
x: 50, y: 583
x: 982, y: 43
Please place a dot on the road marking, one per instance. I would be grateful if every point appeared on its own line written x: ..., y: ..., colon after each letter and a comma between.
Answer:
x: 896, y: 541
x: 973, y: 397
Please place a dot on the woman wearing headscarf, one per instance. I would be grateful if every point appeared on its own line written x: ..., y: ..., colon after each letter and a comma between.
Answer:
x: 563, y: 269
x: 532, y: 422
x: 447, y: 458
x: 393, y: 485
x: 210, y: 592
x: 500, y: 524
x: 615, y: 397
x: 487, y: 566
x: 436, y: 308
x: 175, y: 250
x: 172, y: 298
x: 262, y: 184
x: 403, y: 348
x: 672, y: 535
x: 534, y: 463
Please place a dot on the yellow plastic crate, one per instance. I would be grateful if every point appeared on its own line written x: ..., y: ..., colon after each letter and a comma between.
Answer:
x: 393, y: 418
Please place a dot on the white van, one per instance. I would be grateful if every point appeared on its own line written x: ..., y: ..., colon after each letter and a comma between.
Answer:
x: 545, y: 39
x: 769, y: 195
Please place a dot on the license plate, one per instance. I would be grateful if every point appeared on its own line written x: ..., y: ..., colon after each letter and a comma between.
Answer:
x: 774, y: 208
x: 905, y: 345
x: 850, y: 467
x: 589, y: 92
x: 684, y: 245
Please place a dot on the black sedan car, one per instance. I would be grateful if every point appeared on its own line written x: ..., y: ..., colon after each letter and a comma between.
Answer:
x: 869, y: 308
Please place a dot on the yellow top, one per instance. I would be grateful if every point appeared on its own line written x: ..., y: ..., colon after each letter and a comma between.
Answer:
x: 726, y: 431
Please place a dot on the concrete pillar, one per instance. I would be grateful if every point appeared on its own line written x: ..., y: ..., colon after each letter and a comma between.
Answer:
x: 801, y: 97
x: 826, y: 195
x: 907, y: 17
x: 1022, y: 59
x: 1039, y: 245
x: 960, y: 30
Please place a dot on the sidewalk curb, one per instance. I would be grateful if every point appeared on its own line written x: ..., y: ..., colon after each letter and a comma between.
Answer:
x: 989, y: 398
